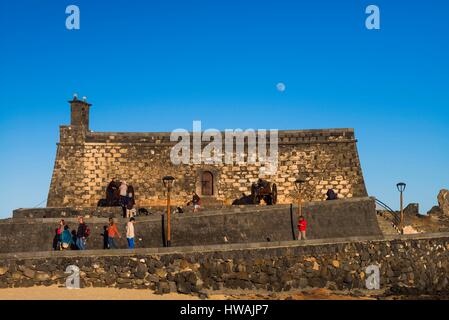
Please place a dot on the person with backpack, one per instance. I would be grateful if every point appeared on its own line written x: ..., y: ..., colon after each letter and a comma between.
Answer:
x: 112, y: 234
x: 302, y: 227
x: 66, y: 238
x: 82, y: 234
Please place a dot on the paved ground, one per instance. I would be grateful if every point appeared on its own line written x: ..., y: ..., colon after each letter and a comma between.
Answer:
x: 60, y: 293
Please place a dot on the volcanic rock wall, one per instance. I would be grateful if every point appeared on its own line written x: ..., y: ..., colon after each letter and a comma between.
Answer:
x: 414, y: 265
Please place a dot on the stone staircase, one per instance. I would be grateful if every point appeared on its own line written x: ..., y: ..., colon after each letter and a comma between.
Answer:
x: 385, y: 225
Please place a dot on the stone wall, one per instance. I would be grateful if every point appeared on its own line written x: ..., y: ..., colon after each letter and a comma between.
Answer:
x: 326, y: 219
x: 86, y: 162
x: 415, y: 264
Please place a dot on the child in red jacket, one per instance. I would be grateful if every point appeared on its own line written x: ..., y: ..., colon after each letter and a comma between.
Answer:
x: 302, y: 227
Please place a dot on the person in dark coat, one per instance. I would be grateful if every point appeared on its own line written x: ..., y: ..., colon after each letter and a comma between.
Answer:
x: 331, y: 195
x: 111, y: 192
x: 56, y: 240
x: 105, y: 237
x: 73, y: 245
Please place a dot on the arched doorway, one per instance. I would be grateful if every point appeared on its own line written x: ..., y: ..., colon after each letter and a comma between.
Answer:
x: 207, y: 183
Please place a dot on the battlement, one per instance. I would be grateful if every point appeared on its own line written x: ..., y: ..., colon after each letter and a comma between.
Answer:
x: 285, y: 137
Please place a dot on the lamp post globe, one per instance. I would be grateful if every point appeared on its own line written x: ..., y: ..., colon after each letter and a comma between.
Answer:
x: 401, y: 186
x: 168, y: 181
x: 299, y: 182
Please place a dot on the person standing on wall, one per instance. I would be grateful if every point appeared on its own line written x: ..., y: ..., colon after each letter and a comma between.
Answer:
x: 123, y: 192
x: 82, y: 234
x: 302, y: 228
x: 110, y: 192
x: 130, y: 233
x: 130, y: 211
x: 112, y: 234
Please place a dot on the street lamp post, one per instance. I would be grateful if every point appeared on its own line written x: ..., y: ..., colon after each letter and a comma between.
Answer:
x: 168, y: 183
x: 401, y: 187
x: 298, y: 184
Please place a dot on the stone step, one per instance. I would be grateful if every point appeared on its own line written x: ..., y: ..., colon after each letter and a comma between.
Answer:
x: 386, y: 226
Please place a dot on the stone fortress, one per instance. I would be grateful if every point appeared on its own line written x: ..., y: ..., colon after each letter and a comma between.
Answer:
x: 86, y: 162
x: 222, y: 246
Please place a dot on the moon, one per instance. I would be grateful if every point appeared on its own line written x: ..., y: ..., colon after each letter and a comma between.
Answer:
x: 280, y: 87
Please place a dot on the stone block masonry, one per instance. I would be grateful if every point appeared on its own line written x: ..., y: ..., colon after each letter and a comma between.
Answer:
x: 86, y: 161
x: 414, y: 265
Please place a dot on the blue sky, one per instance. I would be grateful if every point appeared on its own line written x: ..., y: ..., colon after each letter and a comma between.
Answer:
x: 159, y: 65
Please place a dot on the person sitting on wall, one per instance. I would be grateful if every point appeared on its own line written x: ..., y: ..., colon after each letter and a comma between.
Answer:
x: 331, y: 195
x: 196, y: 202
x: 179, y: 210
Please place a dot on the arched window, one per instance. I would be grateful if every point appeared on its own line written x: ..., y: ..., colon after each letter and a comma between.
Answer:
x: 207, y: 183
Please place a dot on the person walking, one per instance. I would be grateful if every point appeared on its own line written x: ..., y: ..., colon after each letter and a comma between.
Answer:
x: 130, y: 233
x: 105, y: 237
x: 82, y: 234
x: 302, y: 227
x: 112, y: 234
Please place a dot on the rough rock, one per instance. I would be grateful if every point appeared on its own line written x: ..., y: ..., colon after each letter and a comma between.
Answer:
x: 443, y: 201
x: 42, y: 276
x: 435, y: 211
x: 3, y: 270
x: 412, y: 209
x: 29, y: 273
